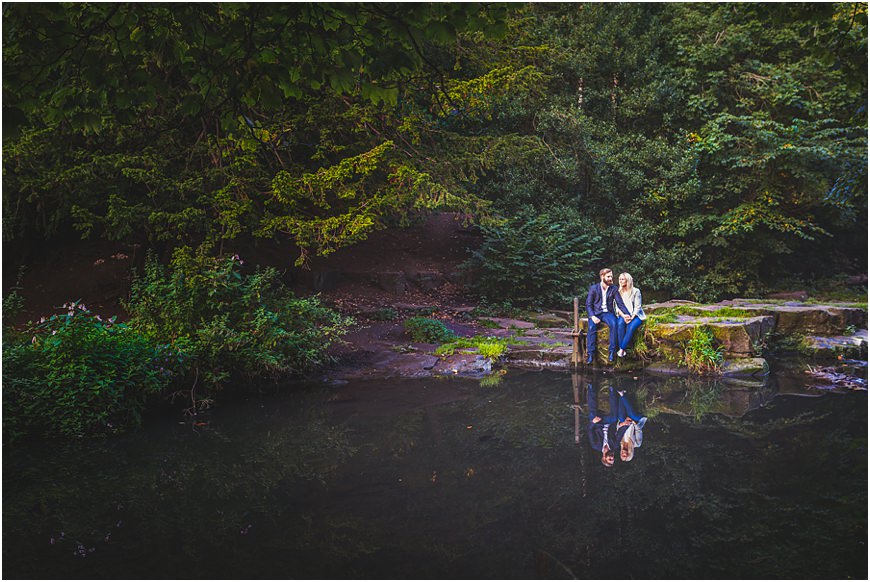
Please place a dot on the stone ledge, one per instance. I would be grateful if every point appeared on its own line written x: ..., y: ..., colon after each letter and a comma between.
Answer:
x: 849, y: 346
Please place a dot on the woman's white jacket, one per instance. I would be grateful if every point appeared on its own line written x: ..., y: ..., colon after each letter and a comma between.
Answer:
x: 633, y: 304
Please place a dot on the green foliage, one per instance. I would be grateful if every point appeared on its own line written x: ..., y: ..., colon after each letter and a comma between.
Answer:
x: 721, y: 313
x: 488, y: 323
x: 712, y: 162
x: 488, y: 347
x: 492, y: 380
x: 13, y: 302
x: 700, y: 353
x: 385, y: 314
x: 533, y: 260
x: 205, y: 123
x: 714, y: 148
x: 226, y: 322
x: 76, y: 374
x: 428, y: 330
x: 660, y: 317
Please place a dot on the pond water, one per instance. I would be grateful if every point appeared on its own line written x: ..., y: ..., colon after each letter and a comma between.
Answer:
x: 446, y: 478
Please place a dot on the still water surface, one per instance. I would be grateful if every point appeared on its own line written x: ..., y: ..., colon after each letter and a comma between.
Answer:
x: 451, y: 478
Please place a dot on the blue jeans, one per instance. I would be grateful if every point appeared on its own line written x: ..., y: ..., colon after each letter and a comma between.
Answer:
x: 626, y: 411
x: 592, y: 403
x: 592, y: 337
x: 625, y: 331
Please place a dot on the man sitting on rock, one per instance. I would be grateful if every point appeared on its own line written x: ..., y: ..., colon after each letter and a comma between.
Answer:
x: 601, y: 302
x: 602, y: 430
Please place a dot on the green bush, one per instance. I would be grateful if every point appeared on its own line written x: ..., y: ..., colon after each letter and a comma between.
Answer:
x: 701, y: 355
x: 384, y: 314
x: 534, y: 259
x: 77, y: 375
x: 225, y: 322
x: 427, y: 330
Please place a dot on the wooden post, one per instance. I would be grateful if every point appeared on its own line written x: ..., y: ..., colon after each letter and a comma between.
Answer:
x: 575, y: 384
x: 576, y: 356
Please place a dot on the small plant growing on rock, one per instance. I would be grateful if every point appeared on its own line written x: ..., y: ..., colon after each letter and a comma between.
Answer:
x: 488, y: 347
x: 427, y: 330
x: 701, y: 355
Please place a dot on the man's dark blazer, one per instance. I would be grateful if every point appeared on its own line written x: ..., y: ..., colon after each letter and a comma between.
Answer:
x: 593, y: 300
x: 595, y: 432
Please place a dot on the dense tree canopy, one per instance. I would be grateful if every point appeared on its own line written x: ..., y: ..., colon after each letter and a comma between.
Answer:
x: 713, y: 148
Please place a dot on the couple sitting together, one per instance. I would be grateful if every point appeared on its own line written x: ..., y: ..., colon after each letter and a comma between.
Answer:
x: 622, y: 428
x: 620, y: 310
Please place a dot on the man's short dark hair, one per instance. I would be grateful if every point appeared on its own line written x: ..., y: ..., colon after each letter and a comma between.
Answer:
x: 604, y: 271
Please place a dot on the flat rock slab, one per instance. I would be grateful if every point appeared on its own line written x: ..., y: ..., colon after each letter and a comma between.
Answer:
x: 851, y: 345
x: 531, y: 339
x: 463, y: 364
x: 414, y: 365
x: 805, y: 318
x: 506, y: 323
x: 789, y: 317
x: 745, y: 367
x: 548, y: 320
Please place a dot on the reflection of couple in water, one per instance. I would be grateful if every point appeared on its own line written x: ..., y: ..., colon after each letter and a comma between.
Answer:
x: 622, y: 428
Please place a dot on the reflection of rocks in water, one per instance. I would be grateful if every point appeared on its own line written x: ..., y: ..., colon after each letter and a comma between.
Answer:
x: 450, y: 479
x: 693, y: 397
x: 749, y: 369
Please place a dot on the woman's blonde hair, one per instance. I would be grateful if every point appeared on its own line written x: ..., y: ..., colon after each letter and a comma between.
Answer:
x: 627, y: 445
x: 628, y: 278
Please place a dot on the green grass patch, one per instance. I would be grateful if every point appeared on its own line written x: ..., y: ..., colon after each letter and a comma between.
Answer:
x: 657, y: 318
x: 488, y: 347
x: 488, y: 324
x: 722, y: 313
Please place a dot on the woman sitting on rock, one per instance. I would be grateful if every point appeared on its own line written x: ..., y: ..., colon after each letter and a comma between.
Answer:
x: 627, y: 323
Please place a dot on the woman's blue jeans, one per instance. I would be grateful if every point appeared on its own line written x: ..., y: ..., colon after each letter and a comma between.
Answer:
x: 625, y: 331
x: 626, y: 411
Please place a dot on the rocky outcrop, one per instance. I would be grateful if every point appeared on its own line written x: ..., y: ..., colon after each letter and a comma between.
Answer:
x: 745, y: 368
x: 805, y: 319
x: 851, y: 346
x: 737, y: 337
x: 739, y: 332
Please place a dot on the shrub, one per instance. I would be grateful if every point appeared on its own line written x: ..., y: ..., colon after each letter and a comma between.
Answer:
x: 384, y: 314
x: 701, y: 356
x: 427, y: 330
x: 228, y: 323
x: 77, y: 375
x: 534, y: 259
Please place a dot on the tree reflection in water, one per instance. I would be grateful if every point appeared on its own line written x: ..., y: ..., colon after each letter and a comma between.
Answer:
x: 446, y: 478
